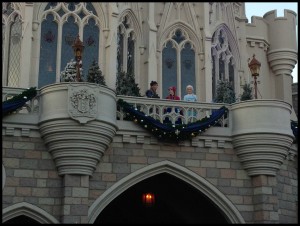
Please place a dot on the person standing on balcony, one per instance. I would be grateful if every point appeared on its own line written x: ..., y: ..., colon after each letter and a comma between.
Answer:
x: 191, y: 97
x: 151, y: 93
x: 172, y: 96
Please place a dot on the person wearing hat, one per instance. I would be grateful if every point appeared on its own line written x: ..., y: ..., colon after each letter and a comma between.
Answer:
x: 172, y: 96
x: 151, y: 93
x: 172, y: 93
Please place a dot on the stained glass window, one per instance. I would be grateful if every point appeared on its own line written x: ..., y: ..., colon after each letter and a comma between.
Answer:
x: 91, y: 44
x: 127, y: 46
x: 48, y: 52
x: 130, y: 55
x: 169, y: 70
x: 187, y: 68
x: 178, y: 64
x: 222, y: 69
x: 14, y: 53
x: 120, y: 50
x: 70, y: 29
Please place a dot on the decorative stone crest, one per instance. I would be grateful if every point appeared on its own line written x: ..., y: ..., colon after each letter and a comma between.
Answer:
x: 82, y: 104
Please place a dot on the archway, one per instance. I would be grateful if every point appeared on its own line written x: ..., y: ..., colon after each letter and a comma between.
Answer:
x: 182, y: 175
x: 175, y: 202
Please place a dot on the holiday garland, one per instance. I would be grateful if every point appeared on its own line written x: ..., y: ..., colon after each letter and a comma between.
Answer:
x: 169, y: 132
x: 18, y: 101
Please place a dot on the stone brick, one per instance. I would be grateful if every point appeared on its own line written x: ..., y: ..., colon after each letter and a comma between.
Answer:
x: 261, y: 215
x: 28, y: 163
x: 23, y: 145
x: 213, y: 181
x: 104, y: 167
x: 119, y: 159
x: 242, y: 174
x: 167, y: 154
x: 33, y: 154
x: 121, y: 168
x: 41, y: 183
x: 11, y: 162
x: 228, y: 173
x: 7, y: 144
x: 187, y: 149
x: 244, y: 207
x: 247, y: 199
x: 137, y: 159
x: 262, y: 190
x: 200, y: 156
x: 24, y: 191
x: 12, y: 182
x: 260, y: 180
x: 27, y: 182
x: 222, y: 164
x: 84, y: 181
x: 56, y: 183
x: 40, y: 192
x: 15, y: 153
x: 122, y: 151
x: 9, y: 191
x: 40, y: 174
x: 191, y: 162
x: 152, y: 153
x: 40, y: 146
x: 204, y: 163
x: 108, y: 177
x: 53, y: 174
x: 46, y: 164
x: 237, y: 183
x: 209, y: 156
x: 55, y: 192
x: 274, y: 216
x: 236, y: 199
x: 223, y: 182
x: 72, y: 180
x: 225, y: 158
x: 66, y: 210
x: 97, y: 185
x: 184, y: 155
x: 79, y: 210
x: 23, y: 173
x: 31, y: 200
x: 212, y: 172
x: 134, y: 167
x: 46, y: 155
x: 200, y: 171
x: 139, y: 152
x: 245, y: 191
x: 229, y: 190
x: 71, y: 220
x: 46, y: 201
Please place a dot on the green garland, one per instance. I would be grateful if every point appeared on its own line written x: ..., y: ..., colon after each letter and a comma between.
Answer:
x: 18, y: 101
x: 167, y: 131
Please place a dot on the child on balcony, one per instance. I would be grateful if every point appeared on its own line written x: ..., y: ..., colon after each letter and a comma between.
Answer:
x: 190, y: 96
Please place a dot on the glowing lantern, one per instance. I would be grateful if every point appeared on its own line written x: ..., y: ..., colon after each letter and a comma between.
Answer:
x: 148, y: 199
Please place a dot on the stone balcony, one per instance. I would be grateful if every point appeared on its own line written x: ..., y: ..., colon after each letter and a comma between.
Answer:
x: 84, y: 118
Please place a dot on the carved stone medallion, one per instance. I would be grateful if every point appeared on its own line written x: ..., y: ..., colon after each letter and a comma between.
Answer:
x: 82, y: 104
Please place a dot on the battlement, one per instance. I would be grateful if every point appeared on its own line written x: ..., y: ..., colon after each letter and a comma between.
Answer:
x: 288, y: 14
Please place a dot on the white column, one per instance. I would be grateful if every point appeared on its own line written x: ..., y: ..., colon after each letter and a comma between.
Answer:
x: 152, y: 60
x: 26, y: 46
x: 110, y: 59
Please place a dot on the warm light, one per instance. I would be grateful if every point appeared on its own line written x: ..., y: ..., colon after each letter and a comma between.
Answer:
x: 254, y: 66
x: 148, y: 199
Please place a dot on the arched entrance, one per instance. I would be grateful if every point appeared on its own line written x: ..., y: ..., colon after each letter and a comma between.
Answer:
x: 184, y: 183
x: 175, y: 202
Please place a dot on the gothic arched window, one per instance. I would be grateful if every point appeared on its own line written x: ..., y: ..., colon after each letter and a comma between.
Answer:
x: 178, y: 48
x: 62, y: 22
x: 126, y: 47
x: 222, y: 60
x: 11, y: 44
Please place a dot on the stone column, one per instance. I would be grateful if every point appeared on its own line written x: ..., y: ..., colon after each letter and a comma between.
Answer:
x: 265, y: 200
x: 26, y: 49
x: 75, y: 199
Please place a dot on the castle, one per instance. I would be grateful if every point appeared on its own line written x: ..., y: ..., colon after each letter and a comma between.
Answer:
x: 70, y: 154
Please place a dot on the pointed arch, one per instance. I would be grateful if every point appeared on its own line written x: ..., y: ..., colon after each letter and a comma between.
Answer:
x: 225, y: 58
x: 187, y: 58
x: 28, y: 210
x: 176, y: 170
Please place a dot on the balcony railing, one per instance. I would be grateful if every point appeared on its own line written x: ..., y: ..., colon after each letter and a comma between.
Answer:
x: 173, y: 111
x: 160, y: 109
